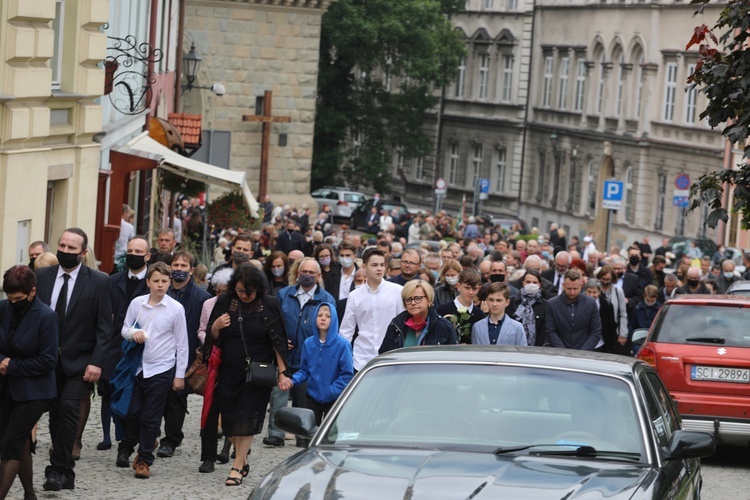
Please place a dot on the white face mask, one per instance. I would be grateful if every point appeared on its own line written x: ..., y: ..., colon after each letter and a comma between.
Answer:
x: 346, y: 262
x: 451, y: 280
x: 729, y: 275
x: 531, y: 288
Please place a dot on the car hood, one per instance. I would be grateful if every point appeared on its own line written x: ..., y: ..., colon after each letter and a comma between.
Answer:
x: 327, y: 472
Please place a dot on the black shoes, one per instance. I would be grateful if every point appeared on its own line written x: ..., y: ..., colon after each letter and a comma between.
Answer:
x: 166, y: 450
x: 123, y: 459
x: 69, y: 481
x: 273, y: 441
x: 104, y: 445
x: 302, y: 443
x: 223, y: 456
x: 206, y: 466
x: 53, y: 482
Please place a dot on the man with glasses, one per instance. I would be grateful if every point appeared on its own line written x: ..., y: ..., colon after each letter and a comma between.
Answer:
x: 556, y: 275
x: 298, y: 304
x: 410, y: 264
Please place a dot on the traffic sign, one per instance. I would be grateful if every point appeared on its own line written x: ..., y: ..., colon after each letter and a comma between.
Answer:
x: 682, y: 181
x: 440, y: 183
x: 612, y: 196
x: 681, y: 198
x: 484, y: 186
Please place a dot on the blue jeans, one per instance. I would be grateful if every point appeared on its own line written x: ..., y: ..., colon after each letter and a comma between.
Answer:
x: 280, y: 399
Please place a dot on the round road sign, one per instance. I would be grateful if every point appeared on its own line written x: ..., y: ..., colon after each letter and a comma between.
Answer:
x: 682, y: 181
x: 440, y: 183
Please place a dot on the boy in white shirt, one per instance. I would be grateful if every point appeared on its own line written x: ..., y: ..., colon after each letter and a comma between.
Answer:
x: 157, y: 321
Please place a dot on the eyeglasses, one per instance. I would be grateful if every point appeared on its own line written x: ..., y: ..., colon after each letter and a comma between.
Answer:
x: 308, y: 273
x: 246, y: 293
x: 407, y: 263
x: 414, y: 300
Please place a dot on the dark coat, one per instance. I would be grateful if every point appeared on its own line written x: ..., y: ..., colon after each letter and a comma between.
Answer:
x: 87, y: 333
x: 609, y: 324
x: 439, y: 332
x: 582, y: 333
x: 192, y: 300
x: 540, y: 314
x: 118, y: 283
x: 685, y: 290
x: 632, y: 290
x: 450, y: 308
x: 32, y: 350
x: 643, y: 273
x: 445, y: 293
x: 643, y: 316
x: 286, y: 243
x: 332, y: 281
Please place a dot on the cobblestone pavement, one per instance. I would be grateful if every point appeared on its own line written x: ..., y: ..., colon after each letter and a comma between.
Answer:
x: 177, y: 477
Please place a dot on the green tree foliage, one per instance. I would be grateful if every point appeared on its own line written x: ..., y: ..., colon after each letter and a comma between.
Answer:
x: 411, y: 40
x: 723, y: 75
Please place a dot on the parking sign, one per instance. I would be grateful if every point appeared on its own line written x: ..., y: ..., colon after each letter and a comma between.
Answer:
x: 612, y: 196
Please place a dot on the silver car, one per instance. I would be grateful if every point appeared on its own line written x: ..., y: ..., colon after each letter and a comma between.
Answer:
x: 341, y: 200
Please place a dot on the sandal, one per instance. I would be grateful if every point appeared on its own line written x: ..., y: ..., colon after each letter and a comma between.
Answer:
x: 245, y: 470
x: 234, y: 481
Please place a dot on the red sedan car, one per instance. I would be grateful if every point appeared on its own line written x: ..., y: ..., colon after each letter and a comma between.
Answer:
x: 700, y: 346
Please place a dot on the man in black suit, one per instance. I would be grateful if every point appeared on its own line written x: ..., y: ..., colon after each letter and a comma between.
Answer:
x: 290, y: 239
x: 81, y: 298
x: 557, y: 275
x: 645, y: 277
x: 124, y: 286
x: 573, y: 320
x: 628, y: 282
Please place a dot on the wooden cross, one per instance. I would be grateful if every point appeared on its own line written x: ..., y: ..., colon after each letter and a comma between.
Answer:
x: 266, y: 119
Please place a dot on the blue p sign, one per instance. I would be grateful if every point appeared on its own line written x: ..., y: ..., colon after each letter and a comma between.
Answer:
x: 613, y: 191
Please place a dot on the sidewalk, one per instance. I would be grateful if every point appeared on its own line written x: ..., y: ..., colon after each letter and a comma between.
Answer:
x: 173, y: 478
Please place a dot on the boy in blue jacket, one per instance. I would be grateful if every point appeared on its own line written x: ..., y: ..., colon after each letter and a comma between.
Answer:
x: 326, y: 364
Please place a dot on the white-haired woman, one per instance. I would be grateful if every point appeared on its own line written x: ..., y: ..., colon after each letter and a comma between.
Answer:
x: 209, y: 434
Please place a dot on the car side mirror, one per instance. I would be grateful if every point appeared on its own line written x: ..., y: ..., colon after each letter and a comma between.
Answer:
x: 639, y: 336
x: 297, y: 421
x: 690, y: 444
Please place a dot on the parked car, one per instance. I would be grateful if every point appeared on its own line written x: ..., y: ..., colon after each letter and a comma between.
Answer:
x: 700, y: 346
x: 679, y: 246
x: 358, y: 219
x: 506, y: 422
x: 341, y: 200
x: 505, y: 222
x: 739, y: 288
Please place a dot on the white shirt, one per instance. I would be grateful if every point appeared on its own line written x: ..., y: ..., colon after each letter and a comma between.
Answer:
x: 304, y: 296
x: 346, y: 283
x: 460, y: 306
x: 167, y: 343
x: 59, y: 283
x: 127, y: 231
x: 372, y: 312
x: 140, y: 275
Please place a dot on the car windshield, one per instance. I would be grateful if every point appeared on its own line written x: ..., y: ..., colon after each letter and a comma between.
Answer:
x: 487, y: 407
x: 687, y: 324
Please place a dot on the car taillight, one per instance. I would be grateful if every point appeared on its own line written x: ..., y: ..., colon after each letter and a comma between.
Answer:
x: 343, y: 203
x: 647, y: 354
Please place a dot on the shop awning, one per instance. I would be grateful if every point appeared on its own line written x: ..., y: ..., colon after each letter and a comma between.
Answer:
x: 143, y: 145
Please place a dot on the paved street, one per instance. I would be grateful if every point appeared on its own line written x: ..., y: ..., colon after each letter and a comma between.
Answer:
x: 174, y: 478
x: 726, y: 474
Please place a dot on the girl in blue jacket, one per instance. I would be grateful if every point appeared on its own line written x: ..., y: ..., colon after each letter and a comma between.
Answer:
x: 326, y: 363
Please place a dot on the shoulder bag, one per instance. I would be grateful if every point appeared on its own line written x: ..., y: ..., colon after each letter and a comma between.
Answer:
x: 197, y: 374
x: 257, y: 373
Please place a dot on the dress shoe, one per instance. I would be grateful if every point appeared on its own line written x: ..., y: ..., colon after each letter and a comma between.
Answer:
x: 223, y: 456
x: 53, y: 482
x: 104, y: 445
x: 123, y: 459
x: 302, y: 443
x: 69, y: 481
x: 206, y: 466
x: 142, y: 470
x: 273, y: 441
x: 166, y: 450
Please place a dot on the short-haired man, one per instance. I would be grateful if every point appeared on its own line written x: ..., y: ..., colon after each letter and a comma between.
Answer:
x: 340, y: 279
x: 433, y: 263
x: 411, y: 261
x: 645, y: 277
x: 370, y: 308
x: 184, y: 291
x: 244, y: 244
x: 573, y: 320
x: 166, y: 241
x: 657, y: 270
x: 499, y: 274
x: 671, y: 284
x: 80, y: 297
x: 694, y: 284
x: 291, y: 239
x: 727, y: 276
x: 446, y: 254
x: 556, y: 275
x: 35, y: 250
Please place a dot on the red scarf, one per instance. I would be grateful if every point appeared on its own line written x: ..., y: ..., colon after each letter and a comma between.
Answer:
x: 416, y: 326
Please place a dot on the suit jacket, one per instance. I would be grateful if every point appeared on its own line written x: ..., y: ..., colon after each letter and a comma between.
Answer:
x: 583, y: 332
x: 632, y: 289
x: 118, y: 284
x: 192, y: 299
x: 549, y: 275
x: 609, y: 325
x: 85, y: 336
x: 332, y: 281
x: 450, y: 308
x: 32, y: 350
x: 511, y: 332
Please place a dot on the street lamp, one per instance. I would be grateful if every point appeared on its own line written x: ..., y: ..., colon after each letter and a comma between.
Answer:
x: 190, y: 62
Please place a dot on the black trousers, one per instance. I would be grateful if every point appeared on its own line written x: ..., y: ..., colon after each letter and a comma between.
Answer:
x: 17, y: 419
x: 210, y: 433
x: 319, y: 409
x: 146, y: 410
x: 63, y: 421
x: 175, y: 410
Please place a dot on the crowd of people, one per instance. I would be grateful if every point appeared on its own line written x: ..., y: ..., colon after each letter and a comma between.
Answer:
x: 309, y: 303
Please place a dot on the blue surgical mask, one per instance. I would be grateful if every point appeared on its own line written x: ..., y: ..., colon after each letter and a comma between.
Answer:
x: 435, y: 274
x: 729, y: 275
x: 346, y: 262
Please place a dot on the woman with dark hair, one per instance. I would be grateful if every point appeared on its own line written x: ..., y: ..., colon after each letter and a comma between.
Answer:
x: 245, y: 323
x: 28, y: 356
x: 277, y: 271
x: 532, y: 310
x: 325, y: 256
x: 616, y: 296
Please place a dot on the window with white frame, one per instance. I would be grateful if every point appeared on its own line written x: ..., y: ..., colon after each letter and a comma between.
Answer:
x: 453, y: 160
x: 639, y: 88
x: 593, y: 187
x: 661, y: 201
x: 691, y: 95
x: 580, y: 85
x: 670, y: 88
x: 484, y: 73
x: 600, y: 90
x: 627, y: 196
x: 55, y: 62
x: 419, y: 168
x: 511, y: 5
x: 476, y: 162
x: 549, y: 66
x: 562, y: 101
x: 488, y: 4
x: 620, y: 84
x: 461, y: 78
x: 507, y: 78
x: 500, y: 154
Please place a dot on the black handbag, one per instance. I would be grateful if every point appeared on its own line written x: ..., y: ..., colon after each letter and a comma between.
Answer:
x: 258, y: 373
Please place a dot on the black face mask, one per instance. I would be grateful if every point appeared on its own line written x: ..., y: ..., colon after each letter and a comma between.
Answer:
x: 135, y: 262
x: 620, y: 275
x: 497, y: 278
x: 634, y: 260
x: 67, y: 260
x: 31, y: 262
x: 693, y: 283
x: 20, y: 306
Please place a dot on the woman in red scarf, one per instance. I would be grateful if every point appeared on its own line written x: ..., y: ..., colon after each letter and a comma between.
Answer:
x: 420, y: 324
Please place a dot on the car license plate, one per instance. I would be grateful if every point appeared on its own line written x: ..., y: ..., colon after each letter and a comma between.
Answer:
x: 738, y: 375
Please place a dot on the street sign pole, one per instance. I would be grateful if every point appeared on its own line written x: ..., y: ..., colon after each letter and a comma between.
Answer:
x: 609, y: 231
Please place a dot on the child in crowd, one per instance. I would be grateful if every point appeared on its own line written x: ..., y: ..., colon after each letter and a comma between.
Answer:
x: 461, y: 311
x: 497, y: 328
x: 157, y: 321
x: 326, y: 364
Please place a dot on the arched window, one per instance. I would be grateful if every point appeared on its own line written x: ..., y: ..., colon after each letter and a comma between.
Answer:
x: 628, y: 196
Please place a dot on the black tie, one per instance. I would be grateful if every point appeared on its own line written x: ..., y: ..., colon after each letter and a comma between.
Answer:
x: 62, y: 299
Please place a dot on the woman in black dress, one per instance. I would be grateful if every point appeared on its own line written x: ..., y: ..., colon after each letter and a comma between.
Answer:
x: 242, y: 405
